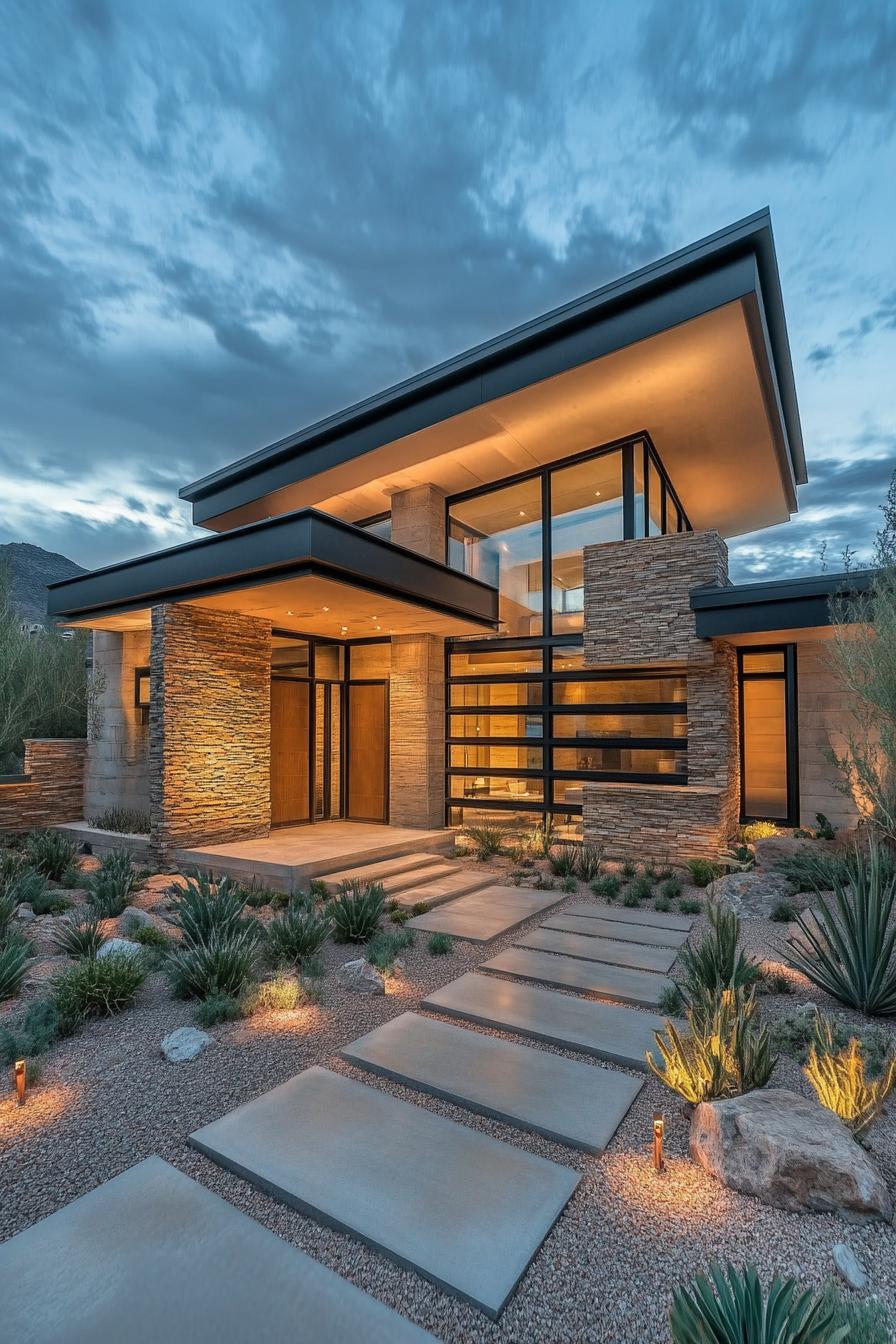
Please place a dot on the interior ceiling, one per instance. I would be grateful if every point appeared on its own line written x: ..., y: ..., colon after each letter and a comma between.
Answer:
x: 695, y: 388
x: 314, y: 605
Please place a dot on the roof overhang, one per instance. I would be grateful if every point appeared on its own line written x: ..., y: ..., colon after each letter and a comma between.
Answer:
x: 786, y: 607
x: 693, y: 349
x: 303, y: 571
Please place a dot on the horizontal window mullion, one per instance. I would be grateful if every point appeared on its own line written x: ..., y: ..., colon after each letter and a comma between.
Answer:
x: 534, y: 742
x: 496, y: 771
x: 503, y: 804
x: 495, y: 678
x: 644, y: 743
x: 628, y: 707
x: 622, y: 776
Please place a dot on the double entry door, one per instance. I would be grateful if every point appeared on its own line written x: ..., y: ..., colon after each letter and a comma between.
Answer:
x: 329, y: 750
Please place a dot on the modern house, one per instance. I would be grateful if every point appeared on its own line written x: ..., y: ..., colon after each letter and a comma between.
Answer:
x: 497, y: 590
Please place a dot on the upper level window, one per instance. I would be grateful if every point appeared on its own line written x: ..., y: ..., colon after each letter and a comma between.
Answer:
x: 497, y: 537
x: 586, y: 506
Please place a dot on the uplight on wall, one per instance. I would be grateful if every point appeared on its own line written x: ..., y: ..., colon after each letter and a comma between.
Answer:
x: 141, y: 692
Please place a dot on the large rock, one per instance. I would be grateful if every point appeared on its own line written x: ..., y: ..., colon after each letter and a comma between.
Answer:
x: 184, y: 1043
x: 790, y: 1152
x: 361, y: 977
x: 122, y: 946
x: 751, y: 895
x: 776, y: 848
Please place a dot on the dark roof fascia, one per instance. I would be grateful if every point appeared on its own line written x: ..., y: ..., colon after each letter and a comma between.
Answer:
x: 690, y: 282
x: 783, y: 604
x: 305, y: 542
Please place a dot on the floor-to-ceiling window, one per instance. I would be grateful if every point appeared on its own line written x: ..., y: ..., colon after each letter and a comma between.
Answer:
x: 768, y: 748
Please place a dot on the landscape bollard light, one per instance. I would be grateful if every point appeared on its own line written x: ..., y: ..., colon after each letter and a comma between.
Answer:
x: 20, y: 1081
x: 658, y: 1129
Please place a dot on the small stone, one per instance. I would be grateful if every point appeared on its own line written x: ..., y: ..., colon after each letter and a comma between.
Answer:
x: 751, y: 895
x: 848, y: 1266
x: 361, y: 977
x: 135, y: 916
x: 25, y: 912
x: 184, y: 1043
x: 124, y: 946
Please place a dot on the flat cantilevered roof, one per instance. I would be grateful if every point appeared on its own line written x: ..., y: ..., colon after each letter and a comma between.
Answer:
x: 305, y: 572
x: 774, y: 607
x: 712, y: 382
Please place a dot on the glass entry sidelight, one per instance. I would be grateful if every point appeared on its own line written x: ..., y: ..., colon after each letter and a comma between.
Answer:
x: 768, y: 744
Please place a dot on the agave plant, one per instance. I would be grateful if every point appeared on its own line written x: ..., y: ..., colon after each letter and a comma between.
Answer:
x: 486, y: 840
x: 715, y: 964
x: 220, y: 965
x: 588, y: 861
x: 563, y: 859
x: 724, y: 1052
x: 51, y: 853
x: 14, y: 958
x: 730, y: 1307
x: 356, y: 911
x: 838, y: 1075
x: 296, y: 935
x: 848, y: 949
x: 204, y: 910
x: 80, y: 935
x: 111, y: 885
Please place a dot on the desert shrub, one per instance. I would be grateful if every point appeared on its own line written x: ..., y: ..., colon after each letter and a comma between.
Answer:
x: 50, y: 901
x: 420, y: 907
x: 631, y: 899
x: 218, y: 1008
x: 24, y: 886
x: 80, y: 935
x: 384, y: 949
x: 32, y: 1034
x: 628, y: 868
x: 440, y: 944
x: 111, y: 885
x: 840, y: 1079
x: 671, y: 888
x: 825, y: 830
x: 588, y: 861
x: 540, y: 840
x: 399, y: 916
x: 758, y: 830
x: 485, y: 841
x: 688, y: 906
x: 280, y: 995
x: 867, y: 1318
x: 205, y: 910
x: 544, y: 882
x: 723, y: 1053
x: 731, y: 1307
x: 14, y: 958
x: 671, y: 1000
x: 147, y: 935
x: 570, y: 884
x: 715, y: 964
x: 848, y: 949
x: 784, y: 912
x: 702, y: 871
x: 814, y: 870
x: 13, y: 862
x: 563, y: 859
x: 98, y: 987
x: 222, y: 964
x: 295, y: 935
x: 258, y: 895
x: 642, y: 887
x: 122, y: 820
x: 773, y: 979
x: 607, y: 888
x: 662, y: 903
x: 51, y: 853
x: 356, y: 911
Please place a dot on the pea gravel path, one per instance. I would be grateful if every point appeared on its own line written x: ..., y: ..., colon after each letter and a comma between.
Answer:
x: 604, y: 1275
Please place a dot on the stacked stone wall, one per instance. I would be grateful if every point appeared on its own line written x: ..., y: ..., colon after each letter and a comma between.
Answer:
x: 51, y: 787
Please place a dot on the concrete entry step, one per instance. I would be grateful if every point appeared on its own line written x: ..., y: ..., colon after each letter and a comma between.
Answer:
x: 605, y: 982
x: 411, y: 866
x: 462, y: 1209
x: 605, y: 1030
x: 638, y: 958
x: 622, y: 914
x: 578, y: 1104
x: 459, y: 882
x: 485, y: 914
x: 646, y: 934
x: 152, y: 1255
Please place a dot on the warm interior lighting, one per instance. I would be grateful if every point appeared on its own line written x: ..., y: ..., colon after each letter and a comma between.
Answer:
x: 141, y: 692
x: 658, y: 1129
x: 20, y: 1081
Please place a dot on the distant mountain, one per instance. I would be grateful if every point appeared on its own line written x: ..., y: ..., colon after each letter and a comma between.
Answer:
x: 30, y: 569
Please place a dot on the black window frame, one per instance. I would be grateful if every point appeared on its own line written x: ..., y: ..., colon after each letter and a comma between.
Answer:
x: 787, y: 674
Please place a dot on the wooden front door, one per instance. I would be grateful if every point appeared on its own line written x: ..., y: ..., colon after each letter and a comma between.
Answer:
x: 367, y: 734
x: 290, y: 760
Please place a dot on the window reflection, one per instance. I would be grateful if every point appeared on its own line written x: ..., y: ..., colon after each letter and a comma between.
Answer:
x: 497, y: 537
x: 586, y: 507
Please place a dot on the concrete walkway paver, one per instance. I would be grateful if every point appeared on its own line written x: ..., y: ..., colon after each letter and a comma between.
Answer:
x: 605, y: 982
x: 646, y: 934
x: 461, y: 1208
x: 486, y: 914
x: 605, y: 950
x: 573, y: 1103
x: 623, y: 914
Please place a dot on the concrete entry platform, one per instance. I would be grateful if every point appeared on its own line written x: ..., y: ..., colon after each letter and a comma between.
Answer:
x: 604, y: 982
x: 578, y: 1104
x: 486, y: 914
x: 633, y: 955
x: 458, y: 1207
x: 623, y: 914
x: 646, y: 934
x: 605, y: 1030
x: 291, y: 856
x: 152, y: 1255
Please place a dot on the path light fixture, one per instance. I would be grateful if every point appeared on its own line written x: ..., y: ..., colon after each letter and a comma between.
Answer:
x: 20, y: 1080
x: 659, y: 1127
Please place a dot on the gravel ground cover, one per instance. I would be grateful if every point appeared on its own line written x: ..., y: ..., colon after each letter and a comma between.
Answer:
x: 107, y: 1099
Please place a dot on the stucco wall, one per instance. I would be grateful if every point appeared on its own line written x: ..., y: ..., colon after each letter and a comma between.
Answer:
x: 822, y: 716
x: 117, y: 768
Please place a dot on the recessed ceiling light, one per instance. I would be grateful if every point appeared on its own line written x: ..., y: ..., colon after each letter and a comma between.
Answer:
x: 289, y: 613
x: 522, y: 513
x: 325, y: 608
x: 597, y: 494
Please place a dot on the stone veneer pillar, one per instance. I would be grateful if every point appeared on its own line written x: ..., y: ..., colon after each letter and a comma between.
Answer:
x: 638, y: 615
x: 418, y: 520
x: 117, y: 768
x: 209, y: 727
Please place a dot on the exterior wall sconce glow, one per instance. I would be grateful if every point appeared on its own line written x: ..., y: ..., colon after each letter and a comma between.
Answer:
x: 20, y: 1081
x: 658, y: 1132
x: 141, y: 692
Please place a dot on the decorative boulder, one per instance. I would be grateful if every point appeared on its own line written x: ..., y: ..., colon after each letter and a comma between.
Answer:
x: 360, y: 976
x: 751, y: 895
x: 790, y: 1152
x: 132, y: 914
x: 25, y: 912
x: 184, y: 1043
x: 775, y: 848
x: 121, y: 946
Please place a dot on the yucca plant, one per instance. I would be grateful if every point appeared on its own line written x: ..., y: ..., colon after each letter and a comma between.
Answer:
x: 847, y: 950
x: 12, y: 863
x: 24, y: 887
x: 51, y: 853
x: 715, y: 964
x: 486, y: 840
x: 540, y: 841
x: 220, y: 965
x: 204, y: 909
x: 296, y: 935
x: 724, y: 1052
x: 731, y: 1307
x: 839, y: 1078
x: 110, y: 887
x: 588, y: 861
x: 80, y: 935
x: 98, y: 987
x: 356, y: 911
x: 563, y: 859
x: 14, y: 958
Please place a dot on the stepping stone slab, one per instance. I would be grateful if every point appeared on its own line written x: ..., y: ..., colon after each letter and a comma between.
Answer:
x: 604, y: 982
x: 460, y: 1208
x: 152, y: 1255
x: 609, y: 928
x: 600, y: 949
x: 623, y: 914
x: 608, y: 1031
x: 486, y: 914
x: 578, y: 1104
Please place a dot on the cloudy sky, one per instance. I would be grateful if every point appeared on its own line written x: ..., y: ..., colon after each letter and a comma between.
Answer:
x: 220, y: 221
